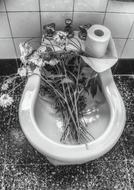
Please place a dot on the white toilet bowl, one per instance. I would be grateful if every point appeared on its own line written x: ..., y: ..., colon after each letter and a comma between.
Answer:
x: 41, y: 129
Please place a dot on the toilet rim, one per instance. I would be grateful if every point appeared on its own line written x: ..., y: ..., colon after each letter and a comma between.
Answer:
x: 78, y: 152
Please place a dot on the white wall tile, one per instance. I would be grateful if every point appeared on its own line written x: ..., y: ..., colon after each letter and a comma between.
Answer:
x: 129, y: 49
x: 35, y: 42
x: 56, y: 5
x: 2, y: 7
x: 57, y: 17
x: 120, y: 6
x: 25, y: 24
x: 119, y: 24
x: 81, y: 18
x: 119, y: 44
x: 22, y: 5
x: 7, y: 50
x: 4, y: 26
x: 90, y: 5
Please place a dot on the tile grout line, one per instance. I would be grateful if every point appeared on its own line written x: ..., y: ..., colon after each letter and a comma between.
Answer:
x: 105, y: 12
x: 118, y: 38
x: 112, y: 12
x: 62, y: 11
x: 40, y: 17
x: 95, y: 11
x: 126, y: 40
x: 11, y: 33
x: 73, y: 11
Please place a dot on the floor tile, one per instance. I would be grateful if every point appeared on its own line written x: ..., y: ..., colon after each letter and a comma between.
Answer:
x: 125, y: 85
x: 67, y: 177
x: 7, y: 67
x: 128, y: 141
x: 23, y: 167
x: 115, y: 154
x: 25, y: 177
x: 107, y: 176
x: 123, y: 66
x: 33, y: 156
x: 16, y: 146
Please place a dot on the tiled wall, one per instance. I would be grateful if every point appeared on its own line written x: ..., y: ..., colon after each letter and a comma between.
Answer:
x: 23, y: 19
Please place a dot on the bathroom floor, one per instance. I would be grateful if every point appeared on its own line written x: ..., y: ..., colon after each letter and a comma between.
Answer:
x: 22, y: 167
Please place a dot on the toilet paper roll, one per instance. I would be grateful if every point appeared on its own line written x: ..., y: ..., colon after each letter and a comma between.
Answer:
x: 97, y: 40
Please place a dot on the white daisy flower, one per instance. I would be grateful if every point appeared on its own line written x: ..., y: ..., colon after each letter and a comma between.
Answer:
x: 36, y: 60
x: 42, y: 49
x: 60, y: 38
x: 53, y: 62
x: 22, y: 71
x: 25, y: 49
x: 9, y: 80
x: 5, y: 100
x: 40, y: 63
x: 4, y: 86
x: 23, y: 60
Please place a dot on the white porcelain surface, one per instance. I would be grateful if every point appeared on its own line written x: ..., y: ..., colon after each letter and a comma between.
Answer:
x: 25, y: 24
x: 7, y: 50
x: 2, y: 7
x: 90, y: 5
x: 22, y: 5
x: 39, y: 124
x: 4, y: 26
x: 57, y: 17
x: 120, y: 6
x: 119, y: 24
x: 56, y: 5
x: 129, y: 49
x: 31, y: 117
x: 119, y: 44
x: 81, y: 18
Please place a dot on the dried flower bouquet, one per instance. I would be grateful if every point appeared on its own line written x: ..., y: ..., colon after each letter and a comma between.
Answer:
x: 65, y: 78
